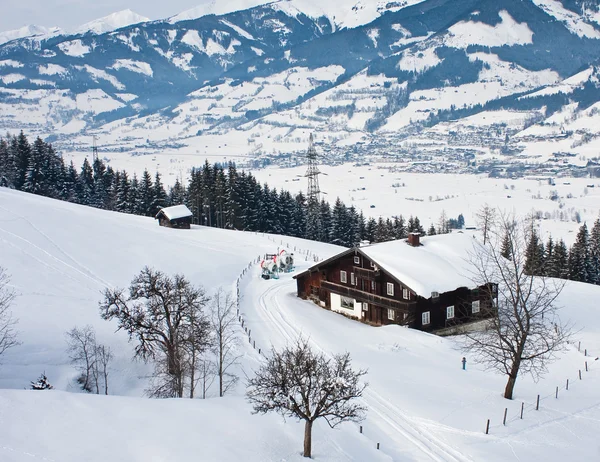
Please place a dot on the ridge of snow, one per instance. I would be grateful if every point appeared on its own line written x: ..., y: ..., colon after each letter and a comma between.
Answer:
x: 28, y: 31
x: 111, y: 22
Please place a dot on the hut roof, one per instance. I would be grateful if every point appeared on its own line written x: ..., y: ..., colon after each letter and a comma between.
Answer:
x: 175, y: 212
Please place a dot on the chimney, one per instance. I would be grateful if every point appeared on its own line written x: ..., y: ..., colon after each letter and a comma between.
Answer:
x: 413, y: 239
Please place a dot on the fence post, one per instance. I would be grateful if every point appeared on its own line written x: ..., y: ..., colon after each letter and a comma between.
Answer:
x: 505, y: 412
x: 360, y: 429
x: 537, y: 406
x: 567, y: 384
x: 254, y: 344
x: 522, y: 407
x: 579, y: 347
x: 586, y: 369
x: 259, y: 351
x: 487, y: 427
x: 556, y: 392
x: 579, y: 374
x: 585, y: 352
x: 378, y: 446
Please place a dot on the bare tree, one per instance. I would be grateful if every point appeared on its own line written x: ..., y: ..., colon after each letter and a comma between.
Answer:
x: 91, y: 358
x: 297, y: 382
x: 486, y: 218
x: 223, y: 321
x: 104, y: 356
x: 81, y: 346
x: 8, y: 333
x: 525, y: 332
x: 161, y: 313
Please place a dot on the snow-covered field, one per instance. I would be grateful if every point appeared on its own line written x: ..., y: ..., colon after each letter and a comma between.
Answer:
x: 422, y: 406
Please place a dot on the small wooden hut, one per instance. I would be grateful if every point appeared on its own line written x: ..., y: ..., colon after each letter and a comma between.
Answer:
x: 178, y: 216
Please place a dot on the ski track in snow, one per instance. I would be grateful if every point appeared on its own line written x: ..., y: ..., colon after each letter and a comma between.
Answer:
x: 398, y: 422
x: 85, y: 271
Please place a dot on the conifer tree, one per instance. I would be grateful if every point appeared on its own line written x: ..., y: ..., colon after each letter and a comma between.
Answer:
x: 145, y: 200
x: 594, y: 250
x: 159, y: 195
x: 579, y: 261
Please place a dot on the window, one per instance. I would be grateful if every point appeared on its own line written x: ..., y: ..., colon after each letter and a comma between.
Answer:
x: 373, y: 285
x: 405, y: 294
x: 347, y: 303
x: 391, y: 316
x: 352, y: 279
x: 450, y: 312
x: 435, y: 295
x: 390, y: 288
x: 372, y: 265
x: 356, y: 260
x: 365, y: 307
x: 343, y: 277
x: 425, y: 318
x: 405, y: 316
x: 475, y: 306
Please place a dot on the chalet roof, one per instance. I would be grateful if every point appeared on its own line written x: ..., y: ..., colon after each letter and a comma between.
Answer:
x: 175, y: 212
x: 439, y: 264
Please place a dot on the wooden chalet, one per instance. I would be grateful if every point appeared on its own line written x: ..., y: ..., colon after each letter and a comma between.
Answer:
x: 421, y: 283
x: 178, y: 216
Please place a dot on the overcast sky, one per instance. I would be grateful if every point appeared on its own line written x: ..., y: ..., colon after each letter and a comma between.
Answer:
x: 68, y: 14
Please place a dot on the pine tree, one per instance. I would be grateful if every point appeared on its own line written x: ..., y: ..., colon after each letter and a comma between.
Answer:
x: 400, y: 227
x: 594, y: 250
x: 145, y: 197
x: 159, y: 195
x: 41, y: 383
x: 579, y: 261
x: 506, y: 249
x: 533, y: 264
x: 431, y: 230
x: 85, y: 194
x: 371, y: 230
x: 560, y: 257
x: 326, y: 221
x: 35, y: 177
x: 339, y: 224
x: 22, y: 150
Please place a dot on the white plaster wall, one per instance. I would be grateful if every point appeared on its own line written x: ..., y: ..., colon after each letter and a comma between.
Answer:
x: 336, y: 305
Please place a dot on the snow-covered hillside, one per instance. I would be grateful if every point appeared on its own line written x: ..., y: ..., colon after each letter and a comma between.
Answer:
x: 422, y: 406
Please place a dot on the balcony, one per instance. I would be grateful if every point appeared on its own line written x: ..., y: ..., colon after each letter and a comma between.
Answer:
x: 366, y: 297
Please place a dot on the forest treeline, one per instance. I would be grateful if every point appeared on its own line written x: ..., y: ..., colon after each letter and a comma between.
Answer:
x: 218, y: 196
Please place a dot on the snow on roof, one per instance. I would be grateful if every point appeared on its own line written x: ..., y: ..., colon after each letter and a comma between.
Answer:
x: 175, y: 212
x: 439, y: 264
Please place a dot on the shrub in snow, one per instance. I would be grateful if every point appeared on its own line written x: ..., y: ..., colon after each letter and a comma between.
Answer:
x: 41, y: 383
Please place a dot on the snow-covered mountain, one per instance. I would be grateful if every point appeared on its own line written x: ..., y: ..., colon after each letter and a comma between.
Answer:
x: 381, y: 74
x: 111, y: 22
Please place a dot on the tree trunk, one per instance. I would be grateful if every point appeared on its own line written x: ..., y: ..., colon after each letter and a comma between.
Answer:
x: 308, y: 439
x: 512, y: 379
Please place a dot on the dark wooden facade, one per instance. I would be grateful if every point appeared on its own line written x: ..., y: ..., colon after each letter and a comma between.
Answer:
x: 178, y: 223
x: 367, y: 284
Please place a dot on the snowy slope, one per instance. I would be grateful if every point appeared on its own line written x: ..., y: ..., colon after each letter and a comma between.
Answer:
x: 422, y: 406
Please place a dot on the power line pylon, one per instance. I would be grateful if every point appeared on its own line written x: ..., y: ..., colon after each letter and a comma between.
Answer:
x: 312, y: 173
